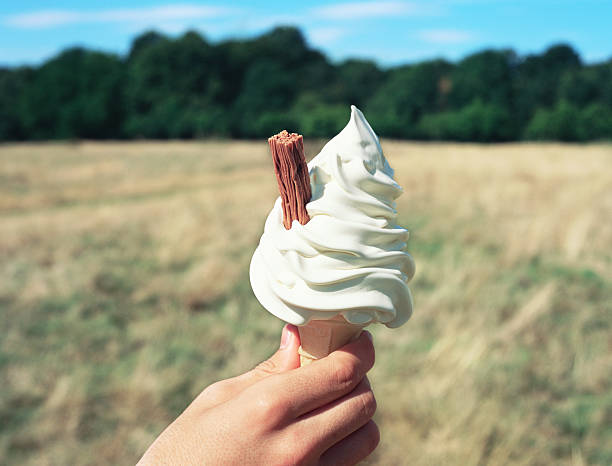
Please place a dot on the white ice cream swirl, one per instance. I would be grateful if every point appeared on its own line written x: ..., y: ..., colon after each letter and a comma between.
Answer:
x: 349, y: 259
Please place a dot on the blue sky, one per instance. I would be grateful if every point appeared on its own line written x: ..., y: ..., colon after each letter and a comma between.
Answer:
x: 391, y: 32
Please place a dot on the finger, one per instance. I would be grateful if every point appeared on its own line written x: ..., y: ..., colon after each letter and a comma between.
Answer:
x: 353, y: 448
x: 325, y: 380
x: 329, y: 424
x: 285, y: 358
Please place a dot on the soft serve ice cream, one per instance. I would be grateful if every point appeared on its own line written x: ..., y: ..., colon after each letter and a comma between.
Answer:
x: 349, y: 259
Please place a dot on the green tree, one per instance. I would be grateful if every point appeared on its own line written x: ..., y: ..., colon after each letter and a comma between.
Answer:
x: 596, y: 122
x: 536, y: 84
x: 173, y: 88
x: 78, y: 94
x: 143, y: 42
x: 408, y: 93
x: 356, y: 81
x: 267, y: 90
x: 308, y: 69
x: 484, y: 75
x: 186, y: 87
x: 587, y: 85
x: 561, y: 123
x: 477, y: 121
x: 284, y: 46
x: 319, y: 119
x: 278, y: 68
x: 13, y: 83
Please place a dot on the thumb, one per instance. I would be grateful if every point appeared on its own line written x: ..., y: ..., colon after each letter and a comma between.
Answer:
x: 285, y: 358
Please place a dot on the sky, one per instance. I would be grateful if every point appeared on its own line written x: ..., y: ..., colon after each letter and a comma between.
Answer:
x: 390, y: 32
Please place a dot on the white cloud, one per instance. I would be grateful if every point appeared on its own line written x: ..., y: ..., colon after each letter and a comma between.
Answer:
x: 446, y: 36
x: 41, y: 19
x: 325, y: 35
x: 52, y: 18
x: 353, y: 10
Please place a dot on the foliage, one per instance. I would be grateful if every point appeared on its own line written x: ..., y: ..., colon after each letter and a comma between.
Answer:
x: 78, y: 94
x: 187, y: 87
x: 407, y: 94
x: 484, y: 75
x: 560, y: 122
x: 475, y: 122
x: 322, y: 120
x: 12, y: 84
x: 356, y: 81
x: 169, y: 97
x: 567, y: 122
x: 536, y: 83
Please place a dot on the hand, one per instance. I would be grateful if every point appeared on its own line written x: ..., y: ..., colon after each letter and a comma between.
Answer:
x: 279, y: 413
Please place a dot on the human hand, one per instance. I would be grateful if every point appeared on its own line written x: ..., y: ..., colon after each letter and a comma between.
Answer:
x: 279, y: 413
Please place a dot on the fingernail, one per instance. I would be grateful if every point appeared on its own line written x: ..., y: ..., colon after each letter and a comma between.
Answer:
x: 369, y: 335
x: 285, y: 337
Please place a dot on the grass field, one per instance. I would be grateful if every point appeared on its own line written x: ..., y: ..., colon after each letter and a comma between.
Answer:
x: 124, y: 291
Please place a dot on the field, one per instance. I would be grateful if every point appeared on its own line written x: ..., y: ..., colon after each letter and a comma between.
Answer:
x: 124, y: 291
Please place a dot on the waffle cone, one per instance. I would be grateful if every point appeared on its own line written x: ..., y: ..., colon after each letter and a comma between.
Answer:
x: 321, y: 337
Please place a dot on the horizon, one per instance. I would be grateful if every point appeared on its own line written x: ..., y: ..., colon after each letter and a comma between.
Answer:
x: 390, y: 33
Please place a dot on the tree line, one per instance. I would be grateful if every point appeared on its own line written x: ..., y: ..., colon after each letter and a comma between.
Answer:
x: 187, y: 87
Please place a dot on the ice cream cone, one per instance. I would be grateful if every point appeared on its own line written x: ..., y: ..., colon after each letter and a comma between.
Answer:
x: 321, y: 337
x: 344, y: 259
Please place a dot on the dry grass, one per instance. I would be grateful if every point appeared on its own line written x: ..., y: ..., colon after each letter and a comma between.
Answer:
x: 125, y: 290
